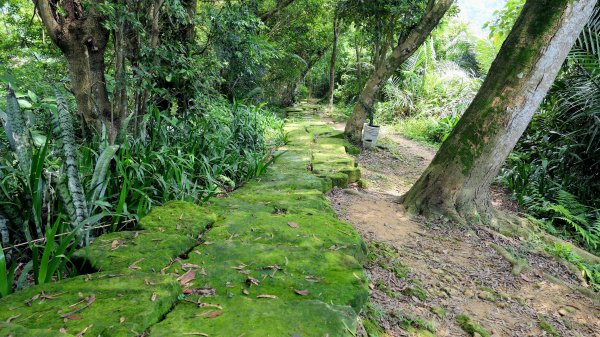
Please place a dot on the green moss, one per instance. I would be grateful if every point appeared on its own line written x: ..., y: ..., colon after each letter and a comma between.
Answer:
x: 353, y: 150
x: 318, y: 231
x: 438, y: 311
x: 471, y: 327
x: 126, y: 295
x: 547, y: 327
x: 178, y: 217
x: 418, y: 325
x: 141, y: 250
x: 252, y: 317
x: 328, y: 276
x: 415, y: 291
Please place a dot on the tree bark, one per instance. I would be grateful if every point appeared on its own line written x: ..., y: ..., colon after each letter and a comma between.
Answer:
x: 336, y: 33
x: 82, y: 38
x: 457, y: 182
x: 384, y: 69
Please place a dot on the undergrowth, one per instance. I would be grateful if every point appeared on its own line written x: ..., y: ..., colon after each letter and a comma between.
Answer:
x: 57, y: 192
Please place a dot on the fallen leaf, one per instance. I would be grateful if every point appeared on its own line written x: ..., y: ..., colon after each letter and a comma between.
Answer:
x: 153, y: 298
x: 211, y: 314
x: 302, y: 292
x: 190, y: 265
x: 122, y: 320
x: 293, y: 224
x: 62, y: 330
x: 84, y: 331
x: 525, y: 278
x: 267, y: 296
x: 204, y: 305
x: 115, y: 244
x: 73, y: 317
x: 134, y: 266
x: 245, y: 292
x: 251, y: 280
x: 88, y: 302
x: 195, y: 334
x: 240, y: 267
x: 12, y: 317
x: 187, y: 277
x: 202, y: 291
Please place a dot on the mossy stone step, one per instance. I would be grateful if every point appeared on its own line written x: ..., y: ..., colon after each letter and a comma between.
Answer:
x: 253, y: 317
x: 123, y: 304
x: 316, y: 231
x: 178, y: 217
x: 140, y: 250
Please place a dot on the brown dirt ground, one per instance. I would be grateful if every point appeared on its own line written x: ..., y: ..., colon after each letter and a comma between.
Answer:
x: 458, y: 268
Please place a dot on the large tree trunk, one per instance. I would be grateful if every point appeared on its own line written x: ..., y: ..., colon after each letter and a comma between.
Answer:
x: 336, y: 33
x: 384, y: 69
x: 457, y: 182
x: 82, y: 38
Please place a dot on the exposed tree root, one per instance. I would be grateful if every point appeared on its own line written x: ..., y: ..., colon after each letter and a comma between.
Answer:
x: 518, y: 265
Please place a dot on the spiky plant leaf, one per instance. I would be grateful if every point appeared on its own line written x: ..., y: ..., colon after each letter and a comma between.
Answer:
x: 64, y: 129
x: 17, y: 132
x: 99, y: 182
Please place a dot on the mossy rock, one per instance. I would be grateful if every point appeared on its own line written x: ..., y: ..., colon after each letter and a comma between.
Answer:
x: 288, y: 201
x: 252, y: 317
x: 125, y: 305
x: 139, y: 250
x: 280, y: 270
x: 178, y: 217
x: 313, y: 231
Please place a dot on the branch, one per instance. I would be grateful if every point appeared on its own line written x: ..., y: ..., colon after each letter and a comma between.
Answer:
x: 266, y: 16
x: 47, y: 15
x: 436, y: 9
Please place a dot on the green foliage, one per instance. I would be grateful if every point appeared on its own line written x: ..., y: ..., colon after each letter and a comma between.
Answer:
x: 504, y: 20
x: 553, y: 171
x: 589, y: 272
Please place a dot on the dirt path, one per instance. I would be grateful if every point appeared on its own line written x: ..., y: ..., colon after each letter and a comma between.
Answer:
x: 425, y: 278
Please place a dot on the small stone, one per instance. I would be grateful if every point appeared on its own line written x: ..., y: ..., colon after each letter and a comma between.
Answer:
x: 562, y: 312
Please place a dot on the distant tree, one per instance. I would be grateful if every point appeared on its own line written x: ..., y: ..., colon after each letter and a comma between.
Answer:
x: 457, y: 182
x: 408, y: 35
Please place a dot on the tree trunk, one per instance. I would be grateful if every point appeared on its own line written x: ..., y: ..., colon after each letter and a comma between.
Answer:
x: 336, y: 33
x: 457, y: 182
x: 358, y: 48
x: 401, y: 52
x: 82, y: 38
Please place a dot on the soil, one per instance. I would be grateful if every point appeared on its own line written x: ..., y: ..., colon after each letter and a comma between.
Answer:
x: 459, y: 269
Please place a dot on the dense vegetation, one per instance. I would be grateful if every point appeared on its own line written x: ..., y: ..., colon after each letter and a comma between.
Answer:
x: 181, y: 100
